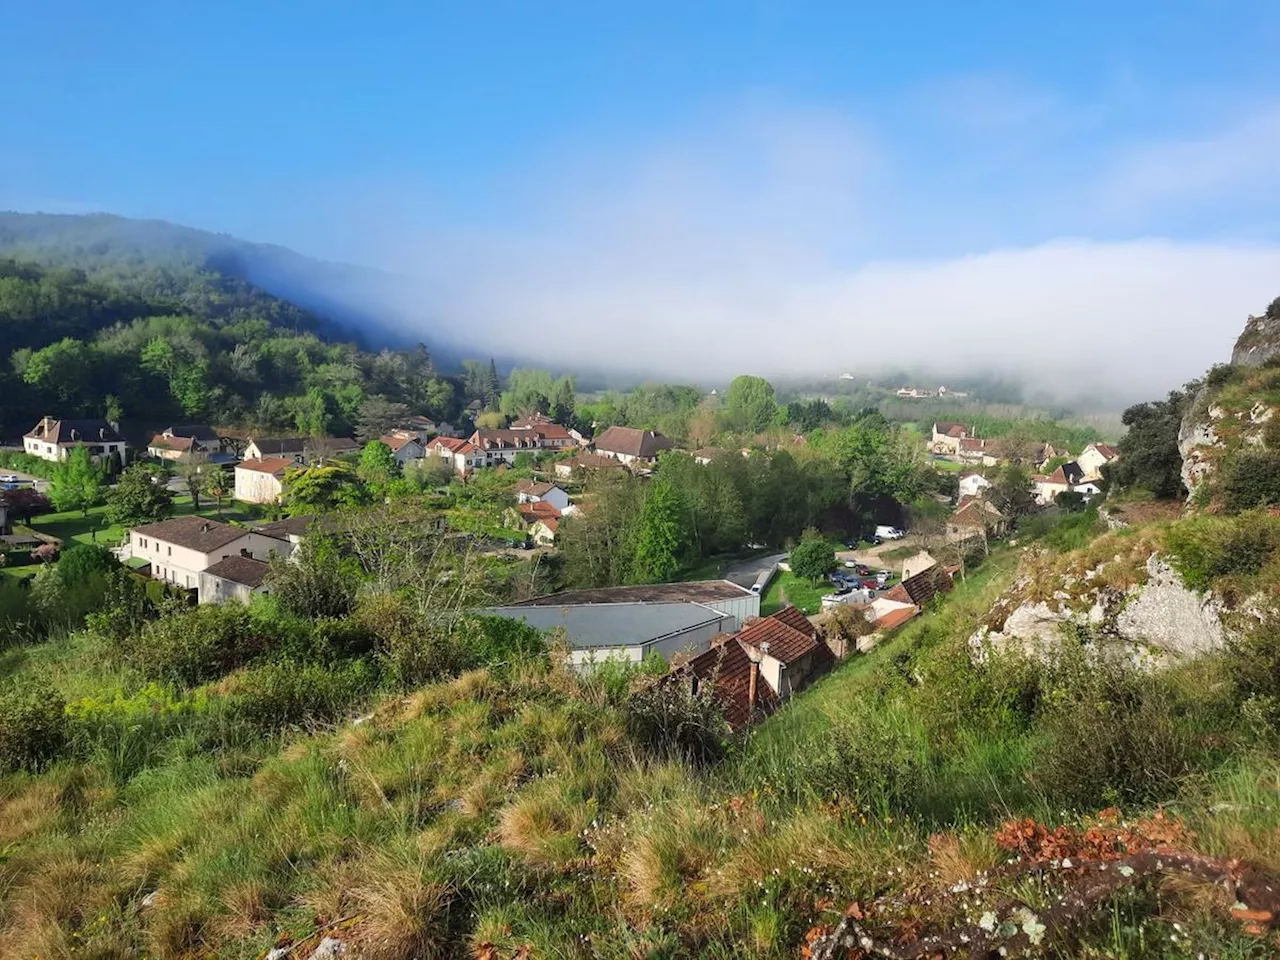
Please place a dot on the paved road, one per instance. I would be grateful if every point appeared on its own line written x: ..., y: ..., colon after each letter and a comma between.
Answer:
x: 40, y: 484
x: 745, y: 572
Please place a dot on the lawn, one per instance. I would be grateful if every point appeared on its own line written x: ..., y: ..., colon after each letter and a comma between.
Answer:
x: 947, y: 466
x: 96, y: 528
x: 787, y: 588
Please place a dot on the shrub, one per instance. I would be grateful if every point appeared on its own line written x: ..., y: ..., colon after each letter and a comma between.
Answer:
x: 314, y: 581
x: 33, y: 724
x: 1251, y: 479
x: 195, y: 645
x: 670, y: 721
x: 288, y: 694
x: 879, y: 763
x: 81, y: 560
x: 813, y: 558
x: 1206, y: 549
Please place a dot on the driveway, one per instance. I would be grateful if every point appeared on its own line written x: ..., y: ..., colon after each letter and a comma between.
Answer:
x: 40, y: 483
x: 745, y: 572
x: 871, y: 555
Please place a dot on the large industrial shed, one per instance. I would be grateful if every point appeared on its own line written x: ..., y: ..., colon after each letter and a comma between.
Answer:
x: 722, y: 595
x: 625, y: 631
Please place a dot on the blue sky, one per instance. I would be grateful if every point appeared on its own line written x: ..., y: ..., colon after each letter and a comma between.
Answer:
x: 715, y: 163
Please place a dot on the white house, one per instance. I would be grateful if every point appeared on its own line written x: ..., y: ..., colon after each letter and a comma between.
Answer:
x: 1095, y: 457
x: 462, y: 454
x: 54, y: 440
x: 534, y: 491
x: 947, y: 436
x: 503, y: 446
x: 262, y: 481
x: 181, y: 441
x: 405, y: 446
x: 972, y: 484
x: 181, y: 548
x: 1066, y: 477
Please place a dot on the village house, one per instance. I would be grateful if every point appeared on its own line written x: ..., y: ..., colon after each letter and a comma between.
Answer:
x: 1045, y: 489
x: 585, y: 463
x: 233, y: 578
x: 946, y: 438
x: 175, y: 443
x: 918, y: 563
x: 705, y: 455
x: 260, y: 449
x: 503, y: 446
x: 731, y: 670
x: 977, y: 517
x: 462, y: 454
x: 319, y: 449
x: 1094, y: 457
x: 537, y: 491
x: 405, y: 445
x: 920, y: 588
x: 290, y: 529
x: 181, y: 548
x: 262, y: 481
x: 630, y: 446
x: 424, y: 428
x: 54, y: 440
x: 540, y: 520
x: 972, y: 484
x: 973, y: 450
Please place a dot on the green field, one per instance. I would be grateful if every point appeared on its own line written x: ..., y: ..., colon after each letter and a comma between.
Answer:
x: 787, y: 588
x: 94, y: 527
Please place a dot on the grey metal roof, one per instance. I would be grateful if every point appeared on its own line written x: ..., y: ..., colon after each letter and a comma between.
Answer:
x: 691, y: 591
x: 598, y: 625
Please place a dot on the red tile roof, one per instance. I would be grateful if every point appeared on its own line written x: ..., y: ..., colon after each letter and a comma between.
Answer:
x: 631, y: 442
x: 452, y: 444
x: 398, y: 439
x: 895, y: 618
x: 921, y: 588
x: 786, y: 642
x: 161, y: 442
x: 794, y: 617
x: 276, y: 466
x: 727, y: 667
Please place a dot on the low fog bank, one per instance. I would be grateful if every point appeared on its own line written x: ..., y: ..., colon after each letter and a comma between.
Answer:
x: 1073, y: 321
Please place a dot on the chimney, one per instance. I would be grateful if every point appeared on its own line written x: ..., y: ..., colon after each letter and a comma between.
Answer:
x: 751, y: 688
x: 205, y: 527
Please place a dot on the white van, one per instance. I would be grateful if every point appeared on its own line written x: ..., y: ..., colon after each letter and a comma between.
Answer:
x: 889, y: 533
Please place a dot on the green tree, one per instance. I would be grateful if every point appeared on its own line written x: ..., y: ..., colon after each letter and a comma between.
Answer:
x: 377, y: 465
x: 562, y: 404
x: 750, y: 405
x: 1149, y: 456
x: 492, y: 383
x: 661, y: 534
x: 138, y: 497
x: 217, y: 486
x: 61, y: 370
x: 194, y: 470
x: 320, y: 488
x: 813, y: 558
x: 77, y: 482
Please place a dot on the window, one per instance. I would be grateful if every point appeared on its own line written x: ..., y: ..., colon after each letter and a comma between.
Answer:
x: 170, y: 552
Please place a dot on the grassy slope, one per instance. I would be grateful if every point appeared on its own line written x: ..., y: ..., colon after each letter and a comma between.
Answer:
x: 510, y: 809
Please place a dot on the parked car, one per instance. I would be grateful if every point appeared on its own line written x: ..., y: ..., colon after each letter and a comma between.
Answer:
x: 889, y: 533
x: 862, y: 570
x: 8, y: 478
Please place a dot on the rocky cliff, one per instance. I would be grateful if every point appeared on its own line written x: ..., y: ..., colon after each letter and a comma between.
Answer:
x: 1234, y: 406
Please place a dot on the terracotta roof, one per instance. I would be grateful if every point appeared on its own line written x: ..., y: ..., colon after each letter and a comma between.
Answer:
x: 452, y: 444
x: 1068, y: 473
x: 786, y: 643
x: 694, y: 591
x: 794, y: 617
x: 161, y: 442
x: 279, y: 445
x: 551, y: 523
x: 951, y: 429
x: 727, y: 667
x: 74, y: 431
x: 245, y: 570
x: 195, y: 533
x: 500, y: 439
x: 276, y: 466
x: 534, y: 419
x: 972, y: 445
x: 630, y: 442
x: 1107, y: 450
x: 895, y: 618
x: 552, y: 431
x: 538, y: 510
x: 977, y: 513
x: 397, y: 440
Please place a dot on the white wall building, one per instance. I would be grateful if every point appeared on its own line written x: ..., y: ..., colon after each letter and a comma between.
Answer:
x: 181, y: 548
x: 54, y: 440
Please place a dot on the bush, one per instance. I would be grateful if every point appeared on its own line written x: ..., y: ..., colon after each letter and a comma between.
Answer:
x: 314, y: 581
x: 33, y: 724
x: 196, y: 645
x: 289, y: 694
x: 1251, y: 479
x: 1112, y: 734
x: 670, y: 721
x: 813, y: 558
x: 876, y: 763
x: 80, y: 561
x: 1205, y: 549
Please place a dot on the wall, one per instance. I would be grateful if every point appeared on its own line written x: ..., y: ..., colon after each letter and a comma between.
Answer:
x: 217, y: 590
x: 741, y: 609
x: 254, y: 486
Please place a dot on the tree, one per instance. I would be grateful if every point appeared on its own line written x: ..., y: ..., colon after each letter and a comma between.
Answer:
x: 138, y: 497
x: 24, y: 503
x: 661, y: 534
x: 193, y: 468
x: 377, y: 464
x: 813, y: 558
x: 320, y: 488
x: 492, y: 383
x: 77, y: 482
x: 1149, y: 456
x: 750, y: 406
x: 1012, y: 489
x: 216, y: 485
x: 562, y: 404
x: 378, y: 416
